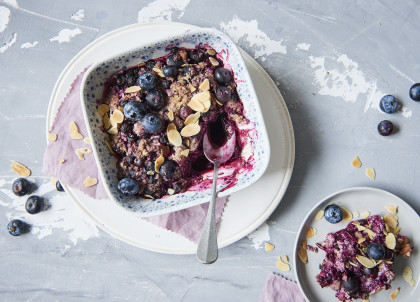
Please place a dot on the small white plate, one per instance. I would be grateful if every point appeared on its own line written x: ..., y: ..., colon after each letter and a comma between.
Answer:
x: 245, y: 211
x: 358, y: 199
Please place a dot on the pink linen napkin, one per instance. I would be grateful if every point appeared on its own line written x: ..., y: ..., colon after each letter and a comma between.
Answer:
x: 188, y: 222
x: 279, y: 289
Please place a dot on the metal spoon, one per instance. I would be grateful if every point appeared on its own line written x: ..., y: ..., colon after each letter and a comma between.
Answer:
x: 207, y: 251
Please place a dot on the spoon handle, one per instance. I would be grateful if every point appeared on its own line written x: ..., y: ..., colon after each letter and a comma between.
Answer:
x: 207, y: 251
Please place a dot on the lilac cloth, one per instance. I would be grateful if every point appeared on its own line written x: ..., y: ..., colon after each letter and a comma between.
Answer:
x: 279, y: 289
x: 73, y: 171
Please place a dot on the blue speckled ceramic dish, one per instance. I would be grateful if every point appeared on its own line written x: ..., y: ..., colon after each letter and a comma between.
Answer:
x: 92, y: 88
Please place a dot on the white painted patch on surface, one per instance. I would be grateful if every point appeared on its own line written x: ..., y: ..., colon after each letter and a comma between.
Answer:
x: 259, y: 236
x: 29, y: 44
x: 62, y: 216
x: 12, y: 3
x: 66, y: 35
x: 248, y: 31
x: 4, y: 18
x: 341, y: 77
x: 303, y: 46
x: 162, y: 10
x: 9, y: 43
x: 79, y: 15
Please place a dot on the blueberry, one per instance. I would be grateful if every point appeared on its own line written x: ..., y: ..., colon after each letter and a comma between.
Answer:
x: 188, y: 70
x: 184, y: 112
x: 150, y: 65
x: 415, y: 92
x: 333, y: 213
x: 34, y: 204
x: 168, y: 169
x: 174, y: 60
x: 370, y: 272
x: 17, y: 227
x: 222, y: 75
x: 59, y: 187
x: 134, y: 110
x: 151, y: 123
x: 385, y: 128
x: 155, y: 100
x: 147, y: 81
x: 351, y: 284
x: 389, y: 104
x: 170, y: 71
x: 223, y: 94
x: 21, y: 186
x: 128, y: 186
x: 376, y: 251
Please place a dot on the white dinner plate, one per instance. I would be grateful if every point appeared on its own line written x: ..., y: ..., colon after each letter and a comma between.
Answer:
x: 359, y: 199
x: 245, y: 210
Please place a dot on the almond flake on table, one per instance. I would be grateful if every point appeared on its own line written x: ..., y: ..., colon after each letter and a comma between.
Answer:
x: 268, y: 247
x: 20, y: 169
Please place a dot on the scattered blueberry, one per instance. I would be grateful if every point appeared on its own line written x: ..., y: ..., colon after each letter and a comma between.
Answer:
x: 134, y: 110
x: 128, y: 186
x: 415, y: 92
x: 385, y: 128
x: 147, y: 81
x: 21, y: 186
x: 17, y: 227
x: 389, y: 104
x: 223, y: 94
x: 174, y: 60
x: 168, y: 169
x: 351, y: 284
x: 150, y: 65
x: 170, y: 71
x: 155, y: 100
x: 333, y: 213
x: 222, y: 75
x: 370, y: 272
x: 34, y: 204
x: 376, y: 251
x: 151, y: 123
x: 59, y: 187
x: 184, y: 112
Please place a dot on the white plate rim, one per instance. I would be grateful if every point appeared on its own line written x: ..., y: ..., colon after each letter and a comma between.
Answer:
x: 252, y: 226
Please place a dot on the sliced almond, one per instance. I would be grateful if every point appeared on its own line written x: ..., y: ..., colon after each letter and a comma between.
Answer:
x: 192, y: 88
x: 213, y: 61
x: 392, y: 209
x: 132, y: 89
x: 360, y: 227
x: 206, y: 105
x: 211, y: 52
x: 73, y: 127
x: 149, y: 196
x: 395, y: 293
x: 79, y: 154
x: 205, y: 85
x: 61, y: 160
x: 171, y: 115
x: 171, y: 191
x: 370, y: 172
x: 113, y: 130
x: 347, y: 215
x: 196, y: 105
x: 366, y: 262
x: 192, y: 118
x: 371, y: 233
x: 159, y: 72
x: 185, y: 152
x: 202, y: 96
x: 390, y: 241
x: 356, y: 162
x: 174, y: 138
x: 391, y: 220
x: 361, y: 240
x: 310, y: 232
x: 87, y: 140
x: 408, y: 275
x: 219, y: 103
x: 396, y: 230
x: 53, y: 181
x: 268, y: 247
x: 190, y: 130
x: 183, y: 55
x: 150, y: 173
x: 319, y: 215
x: 286, y: 259
x: 76, y: 135
x: 90, y: 181
x: 282, y: 266
x: 20, y: 169
x: 85, y: 150
x: 106, y: 121
x: 170, y: 127
x: 356, y: 214
x: 365, y: 214
x: 103, y: 109
x: 302, y: 253
x: 108, y: 143
x: 117, y: 116
x: 52, y: 137
x: 159, y: 161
